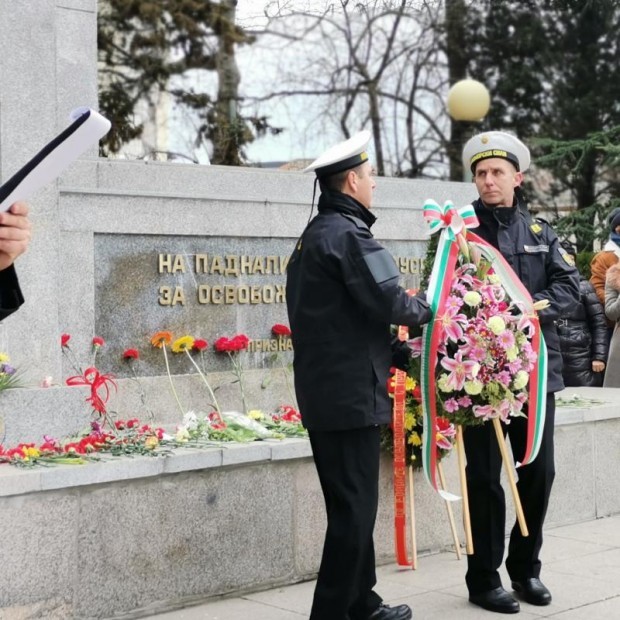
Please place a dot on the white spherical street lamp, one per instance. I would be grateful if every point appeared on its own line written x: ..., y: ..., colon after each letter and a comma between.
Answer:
x: 468, y: 100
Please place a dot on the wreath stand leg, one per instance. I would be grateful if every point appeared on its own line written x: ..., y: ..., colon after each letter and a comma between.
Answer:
x: 460, y: 446
x: 511, y: 478
x: 455, y: 538
x: 414, y: 544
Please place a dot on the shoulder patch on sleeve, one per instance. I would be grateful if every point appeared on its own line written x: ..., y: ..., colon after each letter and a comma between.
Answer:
x: 566, y: 256
x: 536, y: 228
x: 381, y: 265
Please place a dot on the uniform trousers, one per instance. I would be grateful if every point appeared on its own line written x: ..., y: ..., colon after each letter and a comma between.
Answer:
x: 488, y: 506
x: 347, y: 463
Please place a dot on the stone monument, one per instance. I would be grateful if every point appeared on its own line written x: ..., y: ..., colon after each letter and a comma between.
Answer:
x: 122, y: 249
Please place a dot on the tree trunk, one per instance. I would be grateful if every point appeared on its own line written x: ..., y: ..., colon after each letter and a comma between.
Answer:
x: 375, y: 122
x: 228, y: 126
x: 456, y: 13
x: 586, y: 197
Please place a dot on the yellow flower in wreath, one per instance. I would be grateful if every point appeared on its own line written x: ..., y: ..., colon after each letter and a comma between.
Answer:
x: 415, y: 439
x: 409, y: 420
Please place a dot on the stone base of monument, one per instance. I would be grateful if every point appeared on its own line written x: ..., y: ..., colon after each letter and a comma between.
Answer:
x: 26, y: 414
x: 132, y: 536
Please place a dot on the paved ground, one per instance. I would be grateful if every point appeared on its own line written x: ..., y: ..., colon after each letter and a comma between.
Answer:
x: 581, y: 568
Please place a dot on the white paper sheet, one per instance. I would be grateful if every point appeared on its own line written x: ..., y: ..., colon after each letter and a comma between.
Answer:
x: 61, y: 157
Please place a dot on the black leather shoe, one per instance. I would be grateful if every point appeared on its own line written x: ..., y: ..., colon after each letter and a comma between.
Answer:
x: 532, y: 591
x: 497, y: 600
x: 385, y: 612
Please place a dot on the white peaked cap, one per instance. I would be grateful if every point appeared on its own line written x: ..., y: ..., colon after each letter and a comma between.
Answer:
x: 496, y: 144
x: 342, y: 156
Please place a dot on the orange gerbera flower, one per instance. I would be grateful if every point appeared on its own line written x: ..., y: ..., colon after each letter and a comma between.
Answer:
x: 159, y: 339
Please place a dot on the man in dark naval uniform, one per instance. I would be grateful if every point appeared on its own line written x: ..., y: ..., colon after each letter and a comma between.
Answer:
x: 14, y: 239
x: 342, y: 293
x: 497, y: 161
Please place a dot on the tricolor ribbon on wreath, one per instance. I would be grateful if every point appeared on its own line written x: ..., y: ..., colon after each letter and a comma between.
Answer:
x: 455, y: 237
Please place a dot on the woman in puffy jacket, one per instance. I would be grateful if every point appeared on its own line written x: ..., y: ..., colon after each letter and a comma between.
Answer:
x: 583, y: 336
x: 612, y: 310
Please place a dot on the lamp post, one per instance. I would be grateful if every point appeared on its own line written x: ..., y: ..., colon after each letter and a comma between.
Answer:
x: 468, y: 102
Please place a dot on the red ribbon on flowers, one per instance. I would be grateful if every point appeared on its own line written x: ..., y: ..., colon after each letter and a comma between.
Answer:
x: 96, y: 381
x: 400, y: 466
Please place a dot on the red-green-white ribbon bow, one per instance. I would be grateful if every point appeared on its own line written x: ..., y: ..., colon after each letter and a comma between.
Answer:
x: 449, y: 217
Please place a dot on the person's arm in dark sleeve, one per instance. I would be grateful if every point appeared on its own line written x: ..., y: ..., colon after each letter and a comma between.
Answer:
x: 371, y: 277
x: 562, y: 288
x: 597, y: 324
x: 11, y: 297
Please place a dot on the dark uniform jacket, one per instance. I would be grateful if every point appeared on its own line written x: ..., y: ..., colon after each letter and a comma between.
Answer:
x: 532, y: 249
x: 342, y: 294
x: 583, y: 338
x: 10, y: 294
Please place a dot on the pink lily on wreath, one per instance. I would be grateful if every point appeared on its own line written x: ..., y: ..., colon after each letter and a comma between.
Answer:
x: 452, y: 324
x: 415, y: 345
x: 460, y: 370
x: 445, y: 434
x: 484, y: 411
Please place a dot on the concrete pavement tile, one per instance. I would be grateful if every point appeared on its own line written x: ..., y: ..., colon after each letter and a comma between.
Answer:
x: 297, y: 597
x: 560, y: 547
x: 395, y: 593
x: 571, y: 591
x: 231, y: 609
x: 601, y: 531
x: 433, y: 572
x: 601, y: 610
x: 604, y: 566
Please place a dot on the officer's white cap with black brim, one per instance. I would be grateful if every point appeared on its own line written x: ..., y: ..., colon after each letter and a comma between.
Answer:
x: 342, y: 156
x: 496, y: 144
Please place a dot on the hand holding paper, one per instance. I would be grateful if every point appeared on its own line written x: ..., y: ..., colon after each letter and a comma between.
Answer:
x: 87, y: 128
x: 14, y: 233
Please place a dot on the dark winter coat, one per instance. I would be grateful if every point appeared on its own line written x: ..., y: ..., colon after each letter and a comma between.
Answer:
x: 10, y: 294
x: 532, y: 249
x: 583, y: 338
x: 342, y: 294
x: 612, y: 311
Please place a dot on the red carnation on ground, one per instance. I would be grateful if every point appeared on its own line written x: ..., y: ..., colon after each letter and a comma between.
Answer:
x: 131, y: 354
x: 200, y: 344
x: 98, y: 342
x: 289, y: 414
x: 222, y: 344
x: 64, y: 340
x: 280, y: 330
x: 239, y: 342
